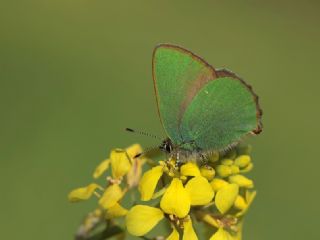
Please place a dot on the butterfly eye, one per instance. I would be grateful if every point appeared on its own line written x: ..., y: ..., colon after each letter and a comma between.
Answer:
x: 168, y: 147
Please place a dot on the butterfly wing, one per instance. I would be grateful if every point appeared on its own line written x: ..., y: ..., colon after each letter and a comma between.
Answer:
x: 178, y: 75
x: 227, y: 73
x: 223, y: 111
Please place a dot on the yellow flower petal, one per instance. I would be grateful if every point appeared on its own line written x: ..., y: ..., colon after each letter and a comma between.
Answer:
x: 200, y: 191
x: 242, y: 161
x: 102, y: 167
x: 218, y: 183
x: 116, y: 211
x: 134, y: 175
x: 83, y: 193
x: 221, y: 234
x: 190, y: 169
x: 247, y: 168
x: 141, y: 219
x: 111, y: 196
x: 174, y: 235
x: 210, y: 220
x: 176, y: 199
x: 250, y: 196
x: 188, y: 231
x: 249, y: 199
x: 208, y: 172
x: 149, y: 182
x: 224, y: 171
x: 133, y: 150
x: 241, y: 180
x: 240, y: 203
x: 120, y: 163
x: 226, y: 197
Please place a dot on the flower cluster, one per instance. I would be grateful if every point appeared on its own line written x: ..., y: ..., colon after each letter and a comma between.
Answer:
x: 215, y: 193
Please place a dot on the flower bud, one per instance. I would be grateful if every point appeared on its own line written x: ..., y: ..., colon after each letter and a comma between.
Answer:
x: 207, y: 172
x: 242, y: 161
x: 223, y: 170
x: 241, y: 181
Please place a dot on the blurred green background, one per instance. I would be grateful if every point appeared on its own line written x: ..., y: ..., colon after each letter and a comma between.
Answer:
x: 75, y: 73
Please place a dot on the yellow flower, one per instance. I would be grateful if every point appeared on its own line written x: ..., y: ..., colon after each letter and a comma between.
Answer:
x: 200, y: 191
x: 190, y: 169
x: 149, y: 182
x: 176, y: 199
x: 83, y: 193
x: 111, y: 196
x: 182, y: 189
x: 221, y: 234
x: 120, y: 163
x: 141, y: 219
x: 226, y: 197
x: 241, y: 180
x: 188, y: 231
x: 102, y: 167
x: 116, y: 211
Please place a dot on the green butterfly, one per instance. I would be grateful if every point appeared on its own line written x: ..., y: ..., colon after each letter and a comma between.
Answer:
x: 201, y: 108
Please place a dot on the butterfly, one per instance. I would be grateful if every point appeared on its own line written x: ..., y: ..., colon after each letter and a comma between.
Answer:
x: 201, y: 108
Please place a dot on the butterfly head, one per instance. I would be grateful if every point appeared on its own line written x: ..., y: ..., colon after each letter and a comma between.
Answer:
x: 166, y: 146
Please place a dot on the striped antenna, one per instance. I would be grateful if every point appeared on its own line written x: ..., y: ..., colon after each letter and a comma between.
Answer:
x: 142, y: 133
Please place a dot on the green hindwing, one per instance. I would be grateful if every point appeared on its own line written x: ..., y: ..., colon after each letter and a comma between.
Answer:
x: 222, y: 112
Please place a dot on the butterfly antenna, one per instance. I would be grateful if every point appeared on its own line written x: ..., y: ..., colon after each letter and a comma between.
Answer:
x: 149, y: 149
x: 142, y: 133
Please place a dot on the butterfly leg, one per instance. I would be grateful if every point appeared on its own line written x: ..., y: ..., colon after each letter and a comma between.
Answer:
x: 178, y: 162
x: 203, y: 159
